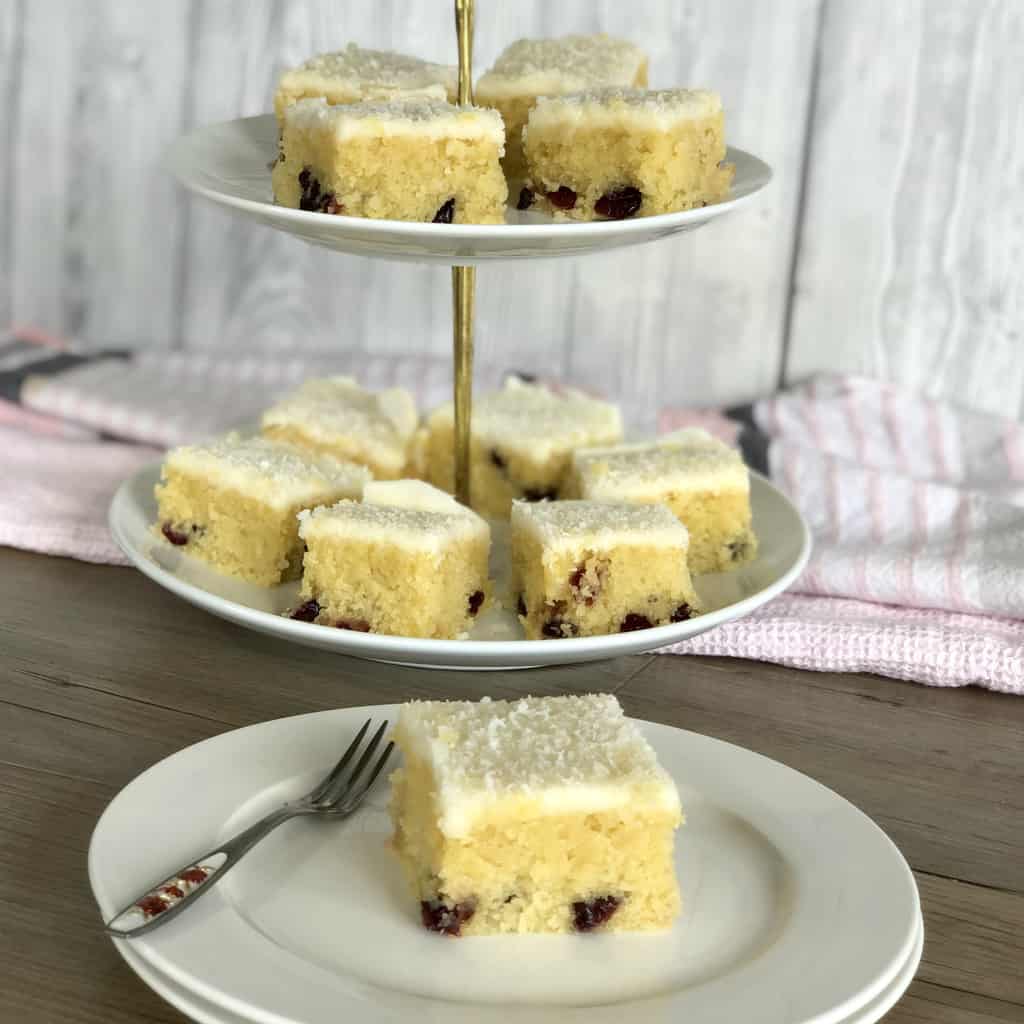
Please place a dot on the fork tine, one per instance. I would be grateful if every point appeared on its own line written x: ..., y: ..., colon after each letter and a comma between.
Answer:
x: 318, y: 794
x: 338, y: 788
x: 354, y: 800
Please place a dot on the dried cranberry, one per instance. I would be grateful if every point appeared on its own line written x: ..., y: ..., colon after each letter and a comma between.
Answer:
x: 587, y: 594
x: 307, y: 612
x: 176, y: 537
x: 525, y: 199
x: 497, y: 459
x: 172, y: 891
x: 556, y: 629
x: 521, y: 605
x: 475, y: 600
x: 438, y: 916
x: 619, y: 203
x: 682, y: 613
x: 194, y: 876
x: 356, y: 625
x: 540, y: 494
x: 590, y: 914
x: 446, y: 214
x: 564, y: 198
x: 310, y: 198
x: 151, y: 905
x: 634, y: 621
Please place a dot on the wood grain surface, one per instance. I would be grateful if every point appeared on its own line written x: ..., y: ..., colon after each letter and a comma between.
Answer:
x: 102, y: 674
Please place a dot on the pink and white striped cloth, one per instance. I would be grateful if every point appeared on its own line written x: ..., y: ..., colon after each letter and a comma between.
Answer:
x: 917, y: 509
x: 917, y: 506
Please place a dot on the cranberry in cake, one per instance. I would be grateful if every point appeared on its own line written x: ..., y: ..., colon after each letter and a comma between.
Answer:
x: 587, y: 568
x: 408, y: 560
x: 336, y: 416
x: 354, y: 74
x: 529, y: 68
x: 521, y: 442
x: 546, y: 814
x: 406, y: 159
x: 703, y: 481
x: 618, y: 153
x: 233, y: 502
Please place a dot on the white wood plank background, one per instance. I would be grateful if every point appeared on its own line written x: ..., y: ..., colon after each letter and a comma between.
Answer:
x: 911, y: 251
x: 890, y: 242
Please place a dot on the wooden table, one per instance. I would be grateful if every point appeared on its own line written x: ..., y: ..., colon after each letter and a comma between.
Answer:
x: 102, y: 674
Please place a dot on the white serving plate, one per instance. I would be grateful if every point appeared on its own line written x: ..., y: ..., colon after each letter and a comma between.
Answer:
x: 229, y: 162
x: 798, y: 909
x: 496, y: 641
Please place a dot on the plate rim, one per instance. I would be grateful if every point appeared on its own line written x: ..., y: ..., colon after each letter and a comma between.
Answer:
x: 181, y: 1000
x: 360, y: 989
x: 449, y: 654
x: 176, y: 160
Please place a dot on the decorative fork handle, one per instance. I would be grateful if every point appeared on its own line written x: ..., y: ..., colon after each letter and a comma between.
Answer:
x: 169, y: 898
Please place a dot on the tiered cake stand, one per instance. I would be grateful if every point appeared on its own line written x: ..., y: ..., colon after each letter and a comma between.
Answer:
x: 228, y: 163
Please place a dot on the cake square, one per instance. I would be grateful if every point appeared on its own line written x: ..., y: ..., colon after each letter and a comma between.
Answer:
x: 529, y: 68
x: 233, y: 502
x: 407, y: 561
x: 618, y: 153
x: 522, y: 440
x: 585, y: 568
x: 354, y: 74
x: 703, y: 481
x: 545, y: 814
x: 336, y: 416
x: 406, y: 159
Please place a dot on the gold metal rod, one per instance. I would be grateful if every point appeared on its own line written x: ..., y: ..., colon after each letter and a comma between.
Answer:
x: 463, y: 289
x: 463, y: 284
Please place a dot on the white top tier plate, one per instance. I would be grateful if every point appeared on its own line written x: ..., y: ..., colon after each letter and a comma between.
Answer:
x: 229, y: 163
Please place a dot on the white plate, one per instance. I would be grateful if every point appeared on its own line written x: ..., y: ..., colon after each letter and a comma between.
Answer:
x: 798, y: 908
x: 228, y: 163
x: 496, y: 641
x: 207, y: 1013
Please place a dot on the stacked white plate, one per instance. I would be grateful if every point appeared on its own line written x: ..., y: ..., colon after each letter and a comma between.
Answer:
x: 798, y: 909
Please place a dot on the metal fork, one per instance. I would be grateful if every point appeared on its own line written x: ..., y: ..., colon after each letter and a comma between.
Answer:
x: 336, y: 795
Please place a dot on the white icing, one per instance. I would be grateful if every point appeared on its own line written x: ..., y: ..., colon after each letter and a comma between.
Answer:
x: 424, y: 118
x: 688, y: 460
x: 330, y: 408
x: 273, y: 472
x: 551, y: 755
x: 599, y: 525
x: 418, y: 529
x: 537, y: 67
x: 655, y: 110
x: 538, y: 423
x: 371, y: 74
x: 412, y: 494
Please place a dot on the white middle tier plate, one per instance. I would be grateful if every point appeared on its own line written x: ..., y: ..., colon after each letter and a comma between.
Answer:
x: 228, y: 162
x: 496, y: 641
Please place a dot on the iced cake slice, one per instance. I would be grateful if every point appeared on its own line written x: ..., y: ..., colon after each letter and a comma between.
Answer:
x: 703, y: 481
x: 617, y: 153
x: 407, y: 159
x: 233, y: 502
x: 408, y: 560
x: 546, y: 814
x: 353, y: 74
x: 335, y: 415
x: 529, y: 68
x: 587, y: 568
x: 522, y: 440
